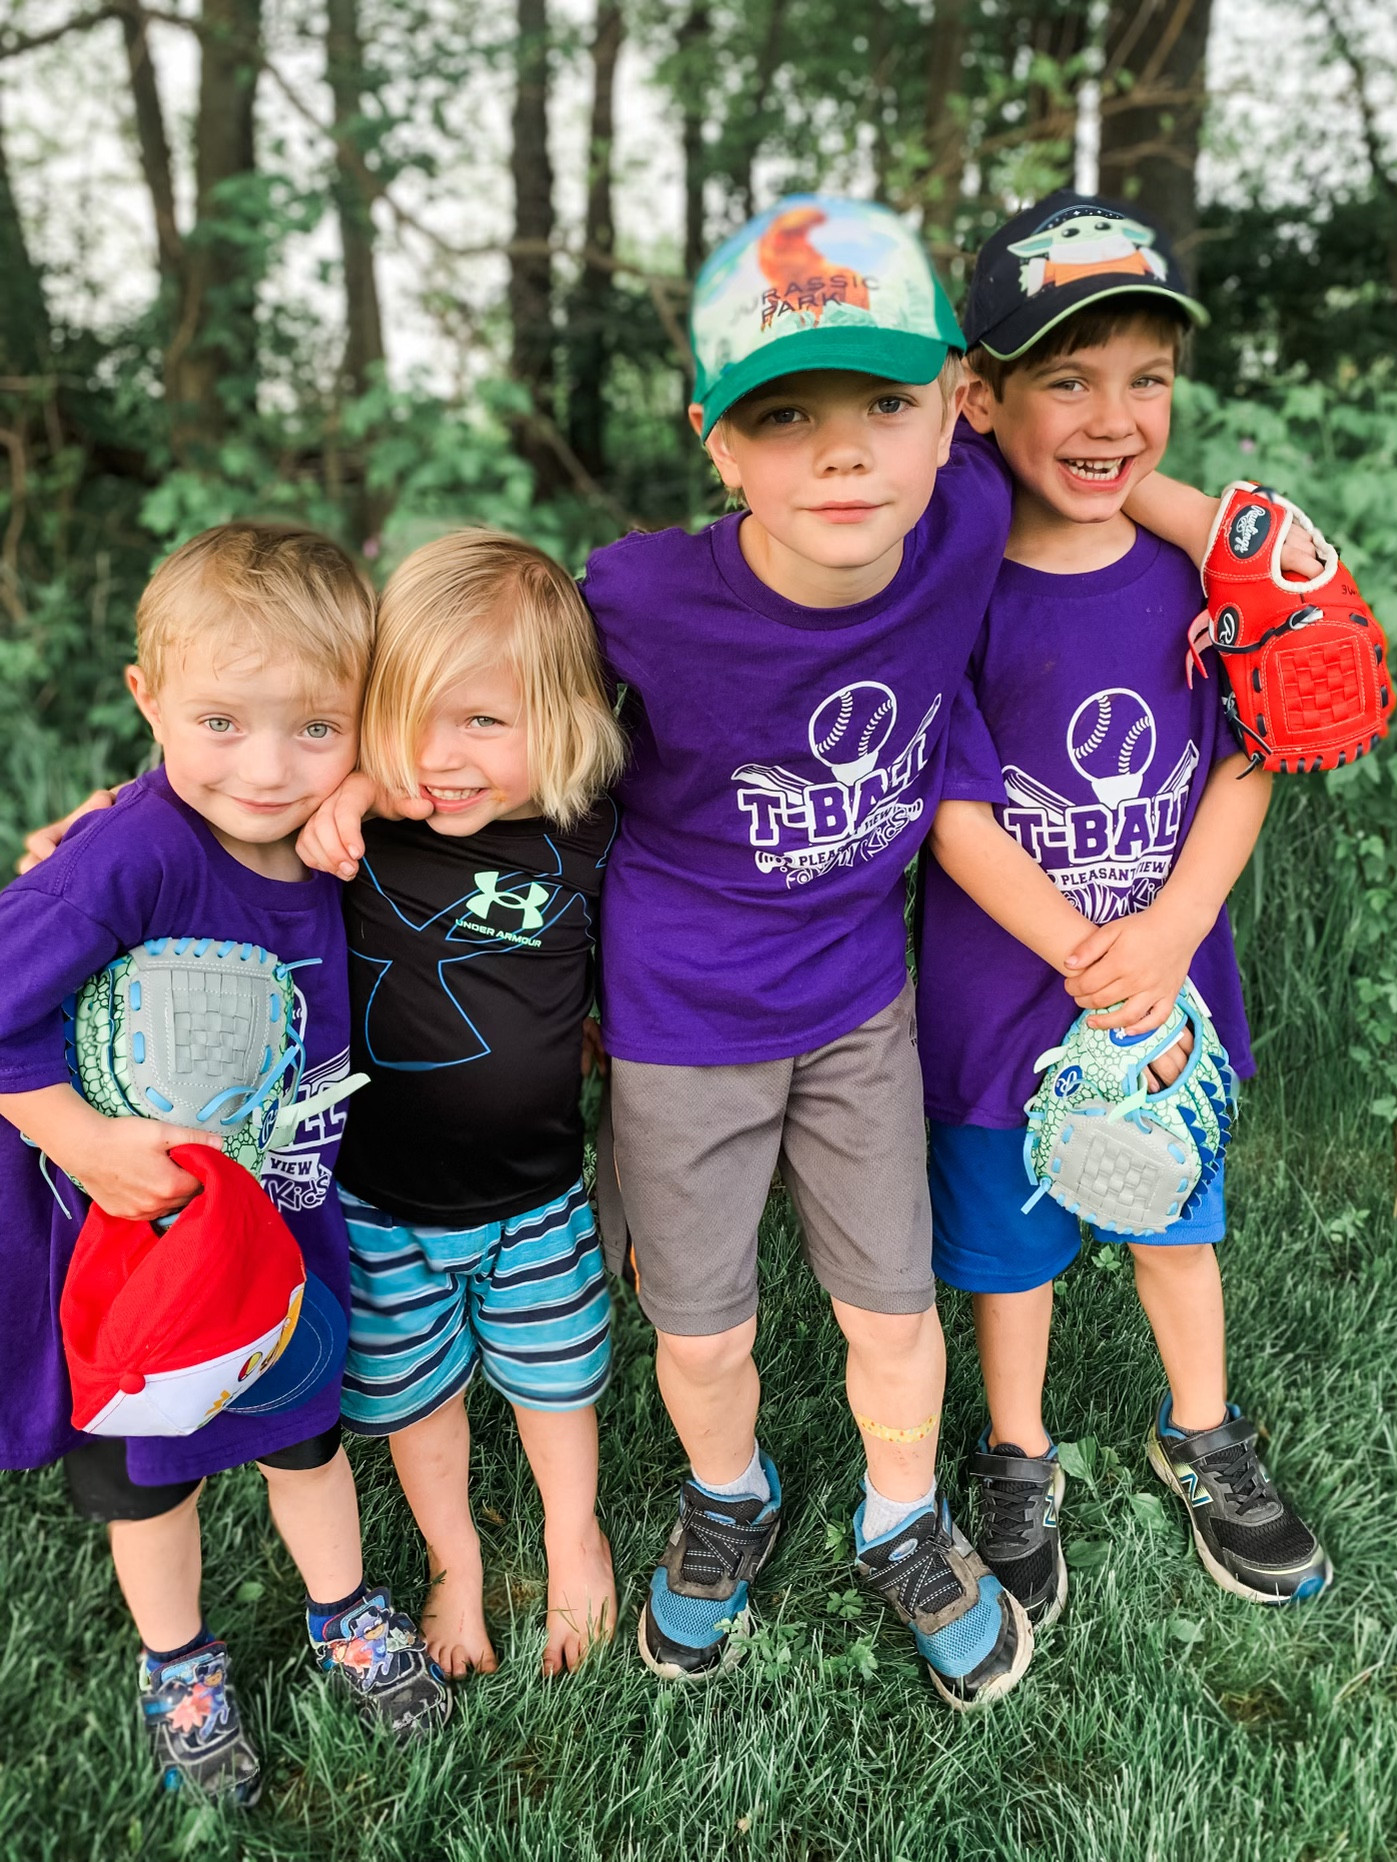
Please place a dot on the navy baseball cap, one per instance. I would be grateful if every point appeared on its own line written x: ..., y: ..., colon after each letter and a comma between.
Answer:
x: 1055, y: 258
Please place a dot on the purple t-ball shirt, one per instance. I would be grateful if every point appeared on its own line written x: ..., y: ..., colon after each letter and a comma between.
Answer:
x: 785, y: 764
x: 151, y: 867
x: 1105, y: 754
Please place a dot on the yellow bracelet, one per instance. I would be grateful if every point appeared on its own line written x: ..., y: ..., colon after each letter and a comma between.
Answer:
x: 881, y: 1432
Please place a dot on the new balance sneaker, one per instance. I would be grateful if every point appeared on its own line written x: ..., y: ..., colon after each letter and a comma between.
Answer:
x: 377, y: 1653
x: 972, y: 1633
x: 190, y: 1716
x: 699, y: 1593
x: 1250, y: 1539
x: 1020, y: 1500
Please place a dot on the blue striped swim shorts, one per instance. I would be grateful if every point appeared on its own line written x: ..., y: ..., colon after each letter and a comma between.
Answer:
x: 525, y: 1299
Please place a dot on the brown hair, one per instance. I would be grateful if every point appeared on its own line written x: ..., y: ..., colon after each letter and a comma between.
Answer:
x: 1087, y: 328
x: 477, y: 599
x: 249, y: 587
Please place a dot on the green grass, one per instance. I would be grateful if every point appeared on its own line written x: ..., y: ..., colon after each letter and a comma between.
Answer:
x: 1161, y: 1721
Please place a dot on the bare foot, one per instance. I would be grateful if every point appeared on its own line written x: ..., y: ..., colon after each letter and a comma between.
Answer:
x: 453, y: 1612
x: 581, y: 1599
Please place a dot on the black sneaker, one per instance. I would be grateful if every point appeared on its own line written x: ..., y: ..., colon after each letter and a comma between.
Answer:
x: 1020, y: 1500
x: 970, y: 1631
x: 699, y: 1591
x: 191, y: 1719
x: 1250, y: 1539
x: 377, y: 1653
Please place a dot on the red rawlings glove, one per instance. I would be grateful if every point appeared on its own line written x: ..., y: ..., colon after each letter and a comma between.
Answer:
x: 1308, y: 686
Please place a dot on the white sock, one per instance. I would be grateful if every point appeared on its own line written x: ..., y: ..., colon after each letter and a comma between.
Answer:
x: 882, y: 1515
x: 751, y: 1483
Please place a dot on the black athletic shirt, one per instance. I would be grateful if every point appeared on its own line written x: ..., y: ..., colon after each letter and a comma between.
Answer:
x: 470, y: 972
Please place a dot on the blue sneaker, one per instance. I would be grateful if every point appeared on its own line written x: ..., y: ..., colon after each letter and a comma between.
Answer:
x: 699, y: 1593
x: 1248, y: 1537
x: 971, y: 1632
x: 190, y: 1716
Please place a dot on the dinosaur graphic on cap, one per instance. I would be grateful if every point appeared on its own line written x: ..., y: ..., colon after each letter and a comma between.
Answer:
x: 799, y: 276
x: 1082, y: 242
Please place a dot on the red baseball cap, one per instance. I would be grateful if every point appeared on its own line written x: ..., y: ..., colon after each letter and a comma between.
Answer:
x: 166, y: 1327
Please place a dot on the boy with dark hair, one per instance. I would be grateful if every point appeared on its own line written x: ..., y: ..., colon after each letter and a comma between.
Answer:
x: 1106, y: 859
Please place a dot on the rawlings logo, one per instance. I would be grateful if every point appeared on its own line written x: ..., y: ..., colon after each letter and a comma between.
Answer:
x: 1067, y: 1082
x: 1248, y: 530
x: 1227, y: 626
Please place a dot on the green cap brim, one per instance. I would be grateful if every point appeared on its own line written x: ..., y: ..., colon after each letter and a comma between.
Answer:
x: 1131, y: 288
x: 896, y: 355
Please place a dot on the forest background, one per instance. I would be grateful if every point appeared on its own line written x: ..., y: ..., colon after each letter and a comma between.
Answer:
x: 393, y: 266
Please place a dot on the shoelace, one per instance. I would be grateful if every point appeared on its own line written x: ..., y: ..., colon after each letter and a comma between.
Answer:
x: 1240, y: 1470
x: 1012, y: 1509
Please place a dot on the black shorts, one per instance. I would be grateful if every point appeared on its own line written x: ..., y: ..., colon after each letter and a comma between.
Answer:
x: 100, y: 1488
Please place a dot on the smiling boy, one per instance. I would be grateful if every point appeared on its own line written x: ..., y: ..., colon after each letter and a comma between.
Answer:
x: 1118, y: 831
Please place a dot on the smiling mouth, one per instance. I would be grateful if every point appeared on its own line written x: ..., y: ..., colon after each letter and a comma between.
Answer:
x: 453, y: 798
x: 263, y: 808
x: 1096, y: 471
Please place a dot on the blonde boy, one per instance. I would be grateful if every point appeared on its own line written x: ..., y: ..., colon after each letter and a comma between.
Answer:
x: 253, y: 645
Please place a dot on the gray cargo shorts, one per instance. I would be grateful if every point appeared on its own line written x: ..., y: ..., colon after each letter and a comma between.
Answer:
x: 685, y: 1158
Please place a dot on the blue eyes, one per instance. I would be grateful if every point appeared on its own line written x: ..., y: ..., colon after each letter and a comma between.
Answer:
x: 219, y: 725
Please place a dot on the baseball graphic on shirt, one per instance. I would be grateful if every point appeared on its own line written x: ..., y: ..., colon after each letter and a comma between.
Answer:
x: 850, y: 727
x: 1110, y: 741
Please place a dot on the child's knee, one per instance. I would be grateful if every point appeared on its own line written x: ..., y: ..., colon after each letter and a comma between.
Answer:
x: 710, y: 1355
x: 888, y: 1336
x: 1180, y: 1258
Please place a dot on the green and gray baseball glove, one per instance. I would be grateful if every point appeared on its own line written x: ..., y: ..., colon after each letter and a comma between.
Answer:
x: 198, y: 1032
x: 1128, y: 1160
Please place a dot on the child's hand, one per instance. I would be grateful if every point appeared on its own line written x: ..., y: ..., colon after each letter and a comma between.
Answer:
x: 1299, y: 558
x: 123, y: 1164
x: 1138, y: 963
x: 44, y: 841
x: 593, y: 1047
x: 331, y: 840
x: 1164, y: 1071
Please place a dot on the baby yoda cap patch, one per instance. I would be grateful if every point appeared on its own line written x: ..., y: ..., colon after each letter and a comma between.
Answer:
x: 817, y: 283
x: 1068, y: 251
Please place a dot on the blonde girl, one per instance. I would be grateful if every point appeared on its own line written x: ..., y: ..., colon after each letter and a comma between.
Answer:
x: 472, y: 924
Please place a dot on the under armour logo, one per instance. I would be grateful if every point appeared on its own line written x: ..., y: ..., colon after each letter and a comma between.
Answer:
x: 527, y: 904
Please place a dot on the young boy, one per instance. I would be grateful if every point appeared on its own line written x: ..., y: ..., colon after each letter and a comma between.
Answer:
x: 1119, y: 809
x: 791, y: 674
x: 253, y: 643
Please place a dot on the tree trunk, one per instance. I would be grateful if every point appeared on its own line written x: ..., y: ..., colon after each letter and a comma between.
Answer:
x: 754, y: 132
x: 693, y: 43
x: 943, y: 132
x: 212, y: 358
x: 593, y: 304
x: 24, y: 324
x: 1150, y: 131
x: 531, y: 262
x: 153, y: 144
x: 363, y: 347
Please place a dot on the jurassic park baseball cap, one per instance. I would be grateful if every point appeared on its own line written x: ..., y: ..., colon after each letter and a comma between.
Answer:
x: 1069, y: 251
x: 817, y: 282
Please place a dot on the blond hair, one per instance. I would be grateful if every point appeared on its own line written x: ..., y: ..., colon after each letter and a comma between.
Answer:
x: 481, y: 599
x: 251, y: 587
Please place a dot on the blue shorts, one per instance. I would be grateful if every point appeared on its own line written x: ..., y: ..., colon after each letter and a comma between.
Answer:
x: 525, y: 1299
x: 982, y: 1241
